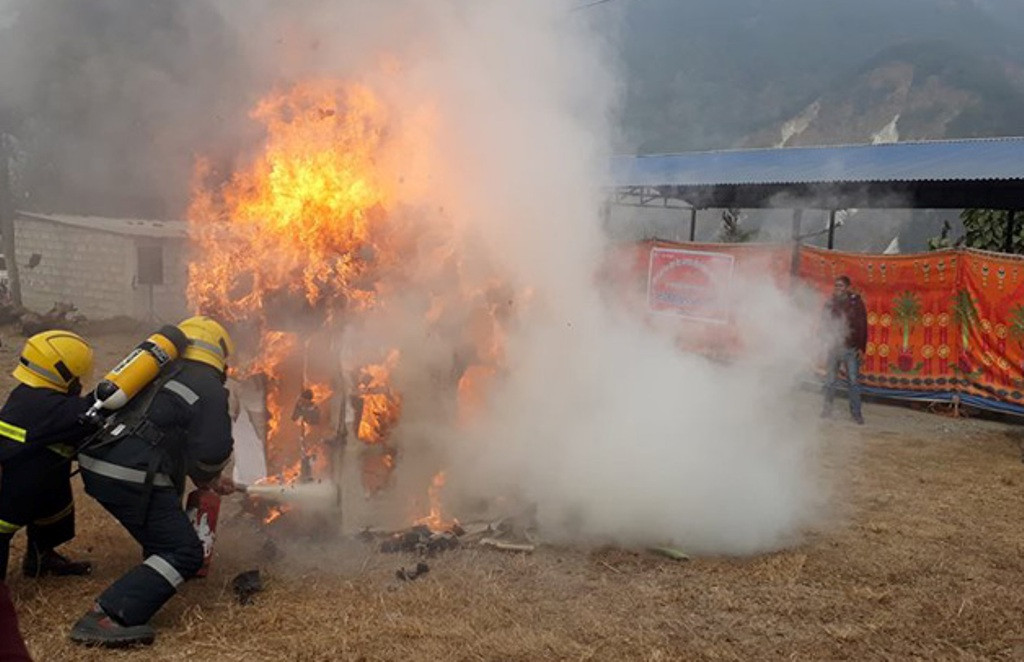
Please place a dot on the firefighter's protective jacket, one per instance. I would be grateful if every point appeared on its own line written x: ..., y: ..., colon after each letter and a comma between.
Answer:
x: 36, y: 418
x: 187, y: 431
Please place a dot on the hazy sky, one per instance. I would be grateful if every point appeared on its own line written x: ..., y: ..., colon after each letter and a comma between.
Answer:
x: 110, y: 100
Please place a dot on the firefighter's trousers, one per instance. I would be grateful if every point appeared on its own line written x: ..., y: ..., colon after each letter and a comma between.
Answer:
x: 35, y: 492
x: 171, y: 550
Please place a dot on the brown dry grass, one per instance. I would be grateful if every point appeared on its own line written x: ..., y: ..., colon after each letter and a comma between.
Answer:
x: 924, y: 563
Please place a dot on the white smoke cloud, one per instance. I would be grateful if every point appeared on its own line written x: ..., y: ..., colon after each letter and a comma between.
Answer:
x: 617, y: 435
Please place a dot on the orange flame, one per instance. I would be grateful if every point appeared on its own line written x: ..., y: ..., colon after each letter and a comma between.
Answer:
x: 321, y: 392
x: 435, y: 521
x: 382, y: 406
x: 302, y: 219
x: 274, y: 513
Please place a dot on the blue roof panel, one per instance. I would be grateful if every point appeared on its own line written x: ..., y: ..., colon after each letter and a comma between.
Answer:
x: 947, y: 160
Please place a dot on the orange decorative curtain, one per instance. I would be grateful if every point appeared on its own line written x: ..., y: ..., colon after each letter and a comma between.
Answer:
x: 939, y: 324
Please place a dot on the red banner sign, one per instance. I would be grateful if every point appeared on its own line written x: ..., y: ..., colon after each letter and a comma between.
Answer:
x: 691, y: 284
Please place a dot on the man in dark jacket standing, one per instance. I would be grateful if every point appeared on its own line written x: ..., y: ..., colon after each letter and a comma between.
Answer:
x: 846, y: 314
x: 181, y: 428
x: 40, y: 426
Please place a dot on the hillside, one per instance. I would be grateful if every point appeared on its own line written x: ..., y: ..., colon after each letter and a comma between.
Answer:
x: 915, y: 91
x: 716, y: 75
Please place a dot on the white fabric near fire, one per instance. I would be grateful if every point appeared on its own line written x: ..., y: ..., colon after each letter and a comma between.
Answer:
x: 250, y: 456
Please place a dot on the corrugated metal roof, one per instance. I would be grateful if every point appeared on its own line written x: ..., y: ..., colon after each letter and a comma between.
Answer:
x: 134, y: 227
x: 946, y: 160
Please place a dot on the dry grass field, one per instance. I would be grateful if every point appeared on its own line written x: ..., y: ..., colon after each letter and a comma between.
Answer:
x: 924, y: 559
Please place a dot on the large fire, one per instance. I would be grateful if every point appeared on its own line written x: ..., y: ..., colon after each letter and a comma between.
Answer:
x: 305, y: 217
x: 308, y: 240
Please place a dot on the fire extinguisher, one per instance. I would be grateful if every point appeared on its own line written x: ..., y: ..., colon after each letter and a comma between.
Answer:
x: 202, y: 508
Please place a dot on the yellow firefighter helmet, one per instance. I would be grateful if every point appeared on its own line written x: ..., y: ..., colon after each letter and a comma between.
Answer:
x: 208, y: 342
x: 55, y: 360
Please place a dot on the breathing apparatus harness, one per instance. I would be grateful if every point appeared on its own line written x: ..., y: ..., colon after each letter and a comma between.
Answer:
x: 133, y: 421
x: 126, y: 396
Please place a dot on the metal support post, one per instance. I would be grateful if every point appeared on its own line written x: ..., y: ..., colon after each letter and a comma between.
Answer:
x: 798, y: 218
x: 1011, y: 229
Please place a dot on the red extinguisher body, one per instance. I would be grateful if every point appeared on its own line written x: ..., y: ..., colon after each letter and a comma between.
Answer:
x: 202, y: 508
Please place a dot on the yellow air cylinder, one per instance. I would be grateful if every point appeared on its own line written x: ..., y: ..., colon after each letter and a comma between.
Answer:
x: 138, y: 369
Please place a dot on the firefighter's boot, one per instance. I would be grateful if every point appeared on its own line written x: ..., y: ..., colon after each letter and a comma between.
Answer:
x: 42, y: 562
x: 96, y: 628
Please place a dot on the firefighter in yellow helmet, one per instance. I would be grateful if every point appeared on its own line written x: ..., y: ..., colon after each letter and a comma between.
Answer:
x: 40, y: 426
x: 179, y: 427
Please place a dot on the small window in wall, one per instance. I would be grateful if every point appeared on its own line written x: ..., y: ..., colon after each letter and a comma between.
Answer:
x: 151, y: 264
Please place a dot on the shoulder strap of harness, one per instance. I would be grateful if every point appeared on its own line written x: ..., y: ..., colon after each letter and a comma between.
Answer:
x: 133, y: 419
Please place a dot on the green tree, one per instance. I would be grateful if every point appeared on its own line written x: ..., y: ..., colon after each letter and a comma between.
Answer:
x: 986, y: 229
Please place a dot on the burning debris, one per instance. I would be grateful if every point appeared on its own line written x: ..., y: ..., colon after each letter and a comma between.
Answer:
x: 420, y: 540
x: 508, y: 534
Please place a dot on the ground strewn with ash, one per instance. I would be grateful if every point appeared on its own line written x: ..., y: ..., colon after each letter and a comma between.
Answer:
x: 923, y: 559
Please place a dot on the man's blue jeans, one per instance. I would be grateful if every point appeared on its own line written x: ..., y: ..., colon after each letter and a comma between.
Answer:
x: 850, y: 358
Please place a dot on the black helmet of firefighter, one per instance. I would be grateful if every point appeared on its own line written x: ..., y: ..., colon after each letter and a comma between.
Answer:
x: 57, y: 360
x: 208, y: 342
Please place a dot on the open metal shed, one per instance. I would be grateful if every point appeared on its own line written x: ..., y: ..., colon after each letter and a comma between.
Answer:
x: 948, y: 174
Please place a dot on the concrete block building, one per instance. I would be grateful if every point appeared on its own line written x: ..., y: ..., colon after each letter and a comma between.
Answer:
x: 107, y: 267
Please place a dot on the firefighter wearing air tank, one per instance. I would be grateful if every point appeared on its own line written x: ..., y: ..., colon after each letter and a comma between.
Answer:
x: 40, y: 425
x: 177, y: 426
